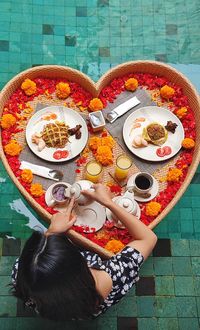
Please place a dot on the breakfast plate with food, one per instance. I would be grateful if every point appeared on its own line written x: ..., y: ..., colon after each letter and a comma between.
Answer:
x: 153, y: 133
x: 56, y: 133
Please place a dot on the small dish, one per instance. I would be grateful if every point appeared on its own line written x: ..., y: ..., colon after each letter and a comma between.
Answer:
x: 90, y: 216
x: 97, y: 120
x: 48, y: 197
x: 154, y: 190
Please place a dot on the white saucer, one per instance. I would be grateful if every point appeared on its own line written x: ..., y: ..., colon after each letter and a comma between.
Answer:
x: 153, y: 191
x: 92, y: 215
x: 118, y: 223
x: 60, y: 208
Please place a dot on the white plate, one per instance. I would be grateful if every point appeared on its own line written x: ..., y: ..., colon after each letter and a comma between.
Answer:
x: 154, y: 190
x: 92, y: 215
x: 153, y: 114
x: 71, y: 118
x: 118, y: 223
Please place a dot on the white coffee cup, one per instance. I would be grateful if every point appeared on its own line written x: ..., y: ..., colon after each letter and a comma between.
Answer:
x: 57, y: 194
x: 143, y: 182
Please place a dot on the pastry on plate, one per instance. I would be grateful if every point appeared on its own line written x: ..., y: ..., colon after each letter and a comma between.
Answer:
x: 55, y: 135
x: 155, y: 133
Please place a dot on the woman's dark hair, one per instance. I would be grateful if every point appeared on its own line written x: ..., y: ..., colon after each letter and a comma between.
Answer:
x: 54, y: 275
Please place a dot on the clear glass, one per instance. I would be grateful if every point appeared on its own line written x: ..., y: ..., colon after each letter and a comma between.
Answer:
x: 123, y: 164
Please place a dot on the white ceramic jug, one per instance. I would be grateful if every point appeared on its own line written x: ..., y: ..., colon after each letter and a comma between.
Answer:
x: 75, y: 191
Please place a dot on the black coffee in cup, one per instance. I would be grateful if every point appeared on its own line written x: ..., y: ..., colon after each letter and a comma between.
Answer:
x: 143, y: 181
x: 59, y: 193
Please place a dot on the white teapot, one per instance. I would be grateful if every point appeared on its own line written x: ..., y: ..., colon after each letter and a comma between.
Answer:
x: 75, y: 191
x: 127, y: 202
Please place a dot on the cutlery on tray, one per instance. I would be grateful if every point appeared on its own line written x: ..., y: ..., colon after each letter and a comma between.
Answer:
x: 122, y: 109
x: 43, y: 171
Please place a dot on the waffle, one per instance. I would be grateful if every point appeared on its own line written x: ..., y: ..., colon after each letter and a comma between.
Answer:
x: 55, y: 135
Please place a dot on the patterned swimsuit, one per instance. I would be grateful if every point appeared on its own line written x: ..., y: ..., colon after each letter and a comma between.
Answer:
x: 123, y: 269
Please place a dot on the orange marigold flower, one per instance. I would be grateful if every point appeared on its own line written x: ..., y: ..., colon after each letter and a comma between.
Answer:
x: 167, y: 92
x: 94, y: 143
x: 174, y: 175
x: 152, y: 209
x: 114, y: 246
x: 108, y: 141
x: 131, y: 84
x: 188, y: 143
x: 95, y: 104
x: 62, y: 90
x: 36, y: 190
x: 104, y: 155
x: 13, y: 148
x: 8, y: 121
x: 29, y: 87
x: 181, y: 112
x: 27, y: 175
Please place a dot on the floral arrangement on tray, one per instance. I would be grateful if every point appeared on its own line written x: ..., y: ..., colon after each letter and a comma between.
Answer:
x: 18, y: 110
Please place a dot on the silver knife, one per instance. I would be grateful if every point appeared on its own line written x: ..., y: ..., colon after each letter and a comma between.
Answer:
x: 43, y: 171
x: 122, y: 109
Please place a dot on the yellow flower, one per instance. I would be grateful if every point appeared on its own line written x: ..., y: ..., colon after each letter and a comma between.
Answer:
x: 36, y: 190
x: 152, y: 209
x: 104, y: 155
x: 29, y: 87
x: 188, y: 143
x: 167, y: 92
x: 8, y: 121
x: 131, y: 84
x: 13, y: 148
x: 62, y: 90
x: 108, y: 141
x: 95, y: 104
x: 94, y: 143
x: 174, y: 175
x: 27, y: 175
x: 114, y: 246
x: 181, y: 112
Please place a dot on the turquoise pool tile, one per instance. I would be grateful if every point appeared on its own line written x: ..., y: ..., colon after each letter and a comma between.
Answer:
x: 186, y: 306
x: 145, y: 306
x: 165, y: 306
x: 188, y: 323
x: 197, y: 285
x: 147, y: 323
x: 127, y: 307
x: 184, y: 286
x: 182, y: 266
x: 167, y: 323
x: 195, y: 265
x: 6, y: 264
x: 147, y: 268
x: 180, y: 247
x: 4, y: 285
x: 164, y: 285
x: 107, y: 323
x: 163, y: 266
x: 7, y: 306
x: 194, y: 247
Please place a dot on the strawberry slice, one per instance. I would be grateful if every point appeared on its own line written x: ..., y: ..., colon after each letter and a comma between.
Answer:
x: 167, y: 150
x: 160, y: 152
x: 65, y: 154
x: 58, y: 154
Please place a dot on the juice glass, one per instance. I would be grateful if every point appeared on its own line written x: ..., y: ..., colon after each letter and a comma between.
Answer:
x: 93, y: 171
x: 123, y: 165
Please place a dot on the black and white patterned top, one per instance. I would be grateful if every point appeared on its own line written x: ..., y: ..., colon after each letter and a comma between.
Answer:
x: 123, y: 269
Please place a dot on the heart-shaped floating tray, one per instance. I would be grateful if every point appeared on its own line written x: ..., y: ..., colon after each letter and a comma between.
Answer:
x: 151, y: 67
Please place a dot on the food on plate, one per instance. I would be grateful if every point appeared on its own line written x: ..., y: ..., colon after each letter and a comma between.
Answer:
x: 140, y: 119
x: 59, y: 154
x: 55, y: 135
x: 75, y: 131
x: 155, y: 133
x: 139, y: 142
x: 164, y: 151
x: 171, y: 127
x: 37, y: 139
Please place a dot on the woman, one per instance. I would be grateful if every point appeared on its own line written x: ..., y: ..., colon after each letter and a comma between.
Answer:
x: 63, y: 282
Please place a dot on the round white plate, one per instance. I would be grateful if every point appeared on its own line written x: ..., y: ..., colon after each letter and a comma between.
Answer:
x: 118, y: 223
x: 153, y: 114
x: 153, y: 191
x: 92, y: 215
x: 71, y: 118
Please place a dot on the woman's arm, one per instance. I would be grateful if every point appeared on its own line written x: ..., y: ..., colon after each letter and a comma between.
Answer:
x: 144, y: 239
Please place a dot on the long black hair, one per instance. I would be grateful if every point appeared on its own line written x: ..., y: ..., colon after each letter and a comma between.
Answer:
x: 54, y: 276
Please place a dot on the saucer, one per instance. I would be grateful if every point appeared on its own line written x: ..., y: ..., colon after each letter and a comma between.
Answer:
x: 118, y: 223
x: 60, y: 208
x: 92, y: 215
x: 153, y: 191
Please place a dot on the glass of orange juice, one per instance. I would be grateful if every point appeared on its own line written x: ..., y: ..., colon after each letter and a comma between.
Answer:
x: 93, y: 171
x: 123, y: 164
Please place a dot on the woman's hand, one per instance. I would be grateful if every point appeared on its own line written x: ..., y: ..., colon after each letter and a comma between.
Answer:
x: 61, y: 222
x: 100, y: 194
